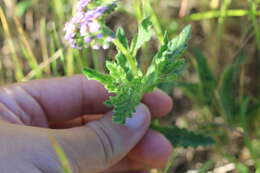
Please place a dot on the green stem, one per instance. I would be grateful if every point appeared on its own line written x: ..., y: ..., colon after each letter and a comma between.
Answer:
x: 221, y: 20
x: 155, y: 20
x: 131, y: 60
x: 217, y: 13
x: 252, y: 15
x: 138, y: 10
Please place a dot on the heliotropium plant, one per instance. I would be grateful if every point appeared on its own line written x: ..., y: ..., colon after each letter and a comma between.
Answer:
x: 125, y: 79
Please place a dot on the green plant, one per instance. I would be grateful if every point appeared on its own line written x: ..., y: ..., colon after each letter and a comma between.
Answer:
x: 125, y: 80
x: 219, y: 98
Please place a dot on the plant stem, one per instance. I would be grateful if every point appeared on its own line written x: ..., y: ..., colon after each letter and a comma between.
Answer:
x: 138, y: 10
x: 131, y: 60
x: 155, y: 20
x: 27, y: 49
x: 221, y: 20
x: 217, y: 13
x: 252, y: 15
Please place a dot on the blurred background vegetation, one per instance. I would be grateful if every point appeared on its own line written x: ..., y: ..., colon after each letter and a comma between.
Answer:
x: 219, y: 94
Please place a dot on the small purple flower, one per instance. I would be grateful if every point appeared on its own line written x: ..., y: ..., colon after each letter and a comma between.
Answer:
x: 94, y: 14
x: 84, y: 30
x: 93, y: 27
x: 70, y: 27
x: 87, y: 40
x: 96, y: 46
x: 81, y: 6
x: 99, y: 36
x: 110, y: 39
x: 99, y: 11
x: 78, y: 18
x: 87, y: 26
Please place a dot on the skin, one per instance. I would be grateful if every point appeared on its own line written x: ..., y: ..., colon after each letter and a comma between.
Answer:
x: 72, y: 110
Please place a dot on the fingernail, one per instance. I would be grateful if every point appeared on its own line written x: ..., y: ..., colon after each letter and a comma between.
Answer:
x: 139, y: 118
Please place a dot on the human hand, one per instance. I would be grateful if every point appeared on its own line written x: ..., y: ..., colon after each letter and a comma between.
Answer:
x: 32, y: 112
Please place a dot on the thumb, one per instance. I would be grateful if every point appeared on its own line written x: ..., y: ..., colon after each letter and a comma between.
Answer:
x: 100, y: 144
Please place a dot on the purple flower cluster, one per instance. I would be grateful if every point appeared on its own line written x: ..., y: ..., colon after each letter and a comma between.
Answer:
x: 85, y: 28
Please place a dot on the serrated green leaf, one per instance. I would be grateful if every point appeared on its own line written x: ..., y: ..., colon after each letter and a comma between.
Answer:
x: 95, y: 75
x: 122, y: 61
x: 144, y: 35
x: 179, y: 44
x: 154, y: 67
x: 166, y: 67
x: 177, y: 67
x: 226, y: 92
x: 107, y: 31
x: 129, y: 87
x: 120, y: 35
x: 167, y: 63
x: 180, y: 137
x: 163, y: 48
x: 116, y: 72
x: 207, y: 80
x: 126, y: 101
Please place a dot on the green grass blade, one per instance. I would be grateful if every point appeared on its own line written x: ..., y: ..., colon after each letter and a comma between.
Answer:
x: 207, y: 80
x: 18, y: 66
x: 43, y: 65
x: 221, y: 21
x: 206, y: 15
x: 43, y: 42
x: 182, y: 137
x: 26, y: 47
x: 253, y: 4
x: 226, y: 89
x: 64, y: 161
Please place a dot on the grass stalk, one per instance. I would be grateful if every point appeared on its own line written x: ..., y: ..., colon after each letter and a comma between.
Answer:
x: 43, y: 43
x: 57, y: 43
x: 69, y: 68
x: 78, y: 60
x: 54, y: 65
x: 58, y: 7
x: 220, y: 29
x: 97, y: 60
x: 15, y: 59
x: 43, y: 65
x: 64, y: 161
x: 29, y: 55
x: 216, y: 14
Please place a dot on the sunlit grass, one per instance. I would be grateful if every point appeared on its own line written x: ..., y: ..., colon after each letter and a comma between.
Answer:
x: 65, y: 164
